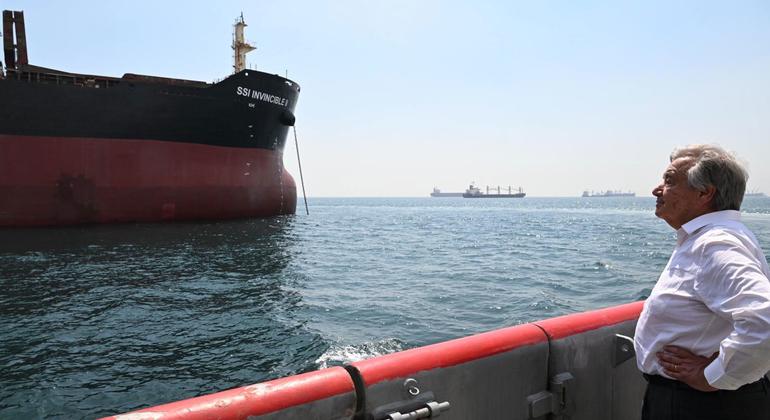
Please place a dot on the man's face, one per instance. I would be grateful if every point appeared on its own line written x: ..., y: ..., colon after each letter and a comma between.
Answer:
x: 678, y: 202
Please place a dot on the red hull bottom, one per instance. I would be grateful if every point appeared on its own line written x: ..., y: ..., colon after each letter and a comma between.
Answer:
x: 65, y: 181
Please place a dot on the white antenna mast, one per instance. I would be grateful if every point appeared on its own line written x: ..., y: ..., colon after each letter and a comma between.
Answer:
x: 240, y: 46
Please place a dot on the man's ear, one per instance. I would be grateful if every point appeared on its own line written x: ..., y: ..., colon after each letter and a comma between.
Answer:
x: 707, y: 196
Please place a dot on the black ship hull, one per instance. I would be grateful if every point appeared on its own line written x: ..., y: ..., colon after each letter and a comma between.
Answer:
x: 249, y: 109
x: 90, y: 149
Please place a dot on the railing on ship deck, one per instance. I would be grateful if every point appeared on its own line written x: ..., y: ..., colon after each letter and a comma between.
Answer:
x: 61, y: 79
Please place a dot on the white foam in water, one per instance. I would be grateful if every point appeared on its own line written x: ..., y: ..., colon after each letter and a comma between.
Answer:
x: 337, y: 355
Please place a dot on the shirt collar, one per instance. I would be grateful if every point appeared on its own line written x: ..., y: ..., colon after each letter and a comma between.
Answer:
x: 715, y: 217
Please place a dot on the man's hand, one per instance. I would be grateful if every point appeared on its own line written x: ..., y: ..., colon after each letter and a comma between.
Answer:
x: 684, y: 366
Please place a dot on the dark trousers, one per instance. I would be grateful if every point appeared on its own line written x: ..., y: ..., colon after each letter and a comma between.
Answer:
x: 667, y: 399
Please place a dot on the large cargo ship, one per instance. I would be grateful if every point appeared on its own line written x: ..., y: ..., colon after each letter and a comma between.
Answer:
x: 79, y: 148
x: 475, y: 192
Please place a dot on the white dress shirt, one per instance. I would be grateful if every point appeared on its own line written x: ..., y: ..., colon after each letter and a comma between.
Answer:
x: 713, y: 295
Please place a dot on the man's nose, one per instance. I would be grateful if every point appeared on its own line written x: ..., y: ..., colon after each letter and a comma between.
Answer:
x: 657, y: 191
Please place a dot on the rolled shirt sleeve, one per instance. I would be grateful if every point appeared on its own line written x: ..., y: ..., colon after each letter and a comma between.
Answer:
x: 734, y: 287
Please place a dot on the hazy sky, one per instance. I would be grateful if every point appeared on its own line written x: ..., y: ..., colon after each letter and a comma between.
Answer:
x: 401, y: 96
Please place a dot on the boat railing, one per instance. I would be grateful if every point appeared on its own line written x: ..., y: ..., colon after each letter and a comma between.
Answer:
x: 32, y: 74
x: 577, y: 366
x: 61, y: 79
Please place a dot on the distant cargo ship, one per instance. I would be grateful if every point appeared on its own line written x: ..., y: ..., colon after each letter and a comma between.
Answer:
x: 754, y: 194
x: 475, y: 192
x: 437, y: 193
x: 608, y: 194
x: 79, y: 148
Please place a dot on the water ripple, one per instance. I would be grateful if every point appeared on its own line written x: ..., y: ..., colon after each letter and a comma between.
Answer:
x: 102, y: 320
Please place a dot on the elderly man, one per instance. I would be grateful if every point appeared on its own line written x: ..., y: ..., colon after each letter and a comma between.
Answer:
x: 703, y: 338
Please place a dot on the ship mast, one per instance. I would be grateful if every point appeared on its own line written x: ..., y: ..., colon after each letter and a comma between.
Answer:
x: 240, y: 46
x: 15, y: 52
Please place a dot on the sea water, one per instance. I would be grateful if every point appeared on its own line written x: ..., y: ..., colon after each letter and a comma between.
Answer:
x: 101, y: 320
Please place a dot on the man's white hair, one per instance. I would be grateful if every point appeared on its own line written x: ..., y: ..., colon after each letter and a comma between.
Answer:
x: 719, y: 168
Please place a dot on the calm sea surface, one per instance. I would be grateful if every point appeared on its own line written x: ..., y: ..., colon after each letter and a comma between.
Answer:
x: 103, y: 320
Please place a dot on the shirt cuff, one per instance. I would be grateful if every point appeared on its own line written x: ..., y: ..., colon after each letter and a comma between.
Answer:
x: 716, y: 376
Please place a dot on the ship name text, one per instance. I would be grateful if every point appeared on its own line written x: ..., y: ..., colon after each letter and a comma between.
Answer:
x: 262, y: 96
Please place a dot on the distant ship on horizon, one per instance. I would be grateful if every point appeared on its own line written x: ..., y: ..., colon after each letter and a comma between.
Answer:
x: 754, y: 193
x: 608, y: 193
x: 475, y: 192
x: 437, y: 193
